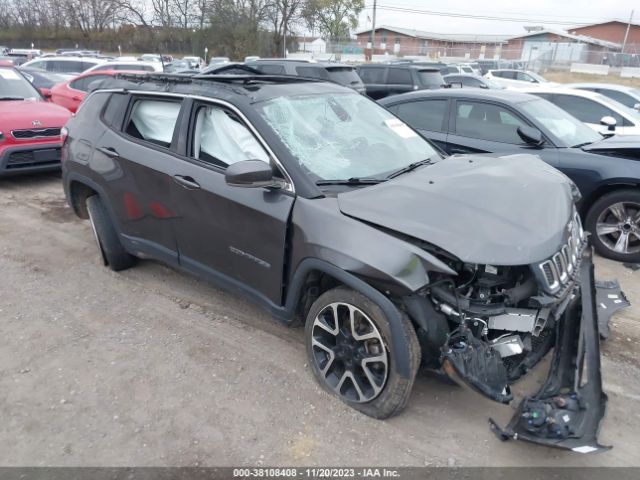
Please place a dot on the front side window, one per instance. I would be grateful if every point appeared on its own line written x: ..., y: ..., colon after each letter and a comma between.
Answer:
x: 221, y: 138
x: 584, y: 109
x: 487, y: 122
x: 153, y: 121
x: 525, y: 77
x: 568, y: 129
x: 620, y: 97
x: 471, y: 82
x: 343, y: 135
x: 423, y: 114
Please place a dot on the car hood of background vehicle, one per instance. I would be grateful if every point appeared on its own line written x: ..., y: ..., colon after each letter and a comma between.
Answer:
x: 510, y: 210
x: 617, y: 144
x: 19, y: 115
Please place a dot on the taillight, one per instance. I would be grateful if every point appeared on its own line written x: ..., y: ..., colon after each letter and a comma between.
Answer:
x: 64, y: 133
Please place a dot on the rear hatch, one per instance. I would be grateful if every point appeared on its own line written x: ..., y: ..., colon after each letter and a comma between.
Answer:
x: 347, y: 76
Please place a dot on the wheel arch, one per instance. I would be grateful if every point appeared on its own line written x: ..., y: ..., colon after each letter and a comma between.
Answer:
x: 311, y: 268
x: 78, y: 194
x: 609, y: 187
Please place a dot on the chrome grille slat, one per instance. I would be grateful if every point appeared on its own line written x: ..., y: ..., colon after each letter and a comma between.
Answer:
x: 558, y: 270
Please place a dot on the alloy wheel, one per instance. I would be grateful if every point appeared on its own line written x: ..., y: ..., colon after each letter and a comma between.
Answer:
x: 349, y: 352
x: 618, y: 227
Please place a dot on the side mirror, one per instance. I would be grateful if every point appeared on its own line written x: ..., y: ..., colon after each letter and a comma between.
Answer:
x: 251, y: 174
x: 45, y: 92
x: 637, y: 106
x: 484, y: 85
x: 608, y: 122
x: 530, y: 135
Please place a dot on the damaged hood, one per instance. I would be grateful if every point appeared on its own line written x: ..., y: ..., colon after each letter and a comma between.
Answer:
x: 622, y: 145
x: 510, y: 210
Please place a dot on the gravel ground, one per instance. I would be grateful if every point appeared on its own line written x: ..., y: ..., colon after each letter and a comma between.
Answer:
x: 153, y: 367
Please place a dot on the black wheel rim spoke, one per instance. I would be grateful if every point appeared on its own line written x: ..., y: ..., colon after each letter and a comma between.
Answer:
x: 349, y: 352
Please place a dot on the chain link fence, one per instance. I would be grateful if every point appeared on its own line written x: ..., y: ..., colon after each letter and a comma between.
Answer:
x: 535, y: 56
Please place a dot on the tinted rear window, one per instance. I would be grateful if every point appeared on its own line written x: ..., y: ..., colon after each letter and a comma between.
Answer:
x: 344, y: 75
x: 271, y: 69
x: 372, y: 75
x: 430, y: 78
x: 312, y: 72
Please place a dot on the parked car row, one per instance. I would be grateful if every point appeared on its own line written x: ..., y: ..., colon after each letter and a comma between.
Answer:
x: 350, y: 217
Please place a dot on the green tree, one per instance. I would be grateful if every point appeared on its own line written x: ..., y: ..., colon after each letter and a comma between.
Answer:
x: 332, y: 18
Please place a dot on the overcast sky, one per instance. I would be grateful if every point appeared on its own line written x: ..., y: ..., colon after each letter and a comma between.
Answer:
x: 560, y: 11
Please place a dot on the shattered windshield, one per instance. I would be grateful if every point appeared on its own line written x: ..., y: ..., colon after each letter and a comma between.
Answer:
x: 344, y: 135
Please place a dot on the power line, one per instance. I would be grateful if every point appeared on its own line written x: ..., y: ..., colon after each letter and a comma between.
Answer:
x: 475, y: 17
x: 498, y: 14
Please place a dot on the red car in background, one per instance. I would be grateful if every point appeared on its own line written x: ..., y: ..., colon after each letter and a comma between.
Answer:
x: 30, y: 127
x: 69, y: 94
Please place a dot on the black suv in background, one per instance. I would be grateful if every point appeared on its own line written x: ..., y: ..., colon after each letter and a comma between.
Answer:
x: 325, y: 208
x: 334, y: 72
x: 383, y: 80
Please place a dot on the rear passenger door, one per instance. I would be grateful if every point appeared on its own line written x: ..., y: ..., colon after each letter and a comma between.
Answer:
x: 137, y: 161
x: 228, y: 234
x: 429, y: 117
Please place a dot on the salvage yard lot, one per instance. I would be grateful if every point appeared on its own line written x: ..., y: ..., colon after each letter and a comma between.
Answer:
x: 153, y: 367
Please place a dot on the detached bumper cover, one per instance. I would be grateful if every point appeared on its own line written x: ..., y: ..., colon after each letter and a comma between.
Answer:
x: 567, y: 411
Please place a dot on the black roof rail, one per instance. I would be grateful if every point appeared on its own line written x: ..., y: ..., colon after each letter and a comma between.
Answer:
x: 253, y: 78
x: 155, y: 77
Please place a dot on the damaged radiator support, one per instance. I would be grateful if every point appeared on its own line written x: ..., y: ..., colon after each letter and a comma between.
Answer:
x: 567, y: 411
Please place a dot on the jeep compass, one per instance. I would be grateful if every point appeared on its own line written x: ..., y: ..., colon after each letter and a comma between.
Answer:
x: 326, y: 209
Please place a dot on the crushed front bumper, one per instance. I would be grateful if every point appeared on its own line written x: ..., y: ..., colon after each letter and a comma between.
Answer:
x: 568, y: 410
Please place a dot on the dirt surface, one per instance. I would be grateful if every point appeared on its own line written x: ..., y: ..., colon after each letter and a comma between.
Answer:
x: 564, y: 76
x: 153, y: 367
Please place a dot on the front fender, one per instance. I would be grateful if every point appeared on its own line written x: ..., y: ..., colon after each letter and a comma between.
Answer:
x: 321, y: 231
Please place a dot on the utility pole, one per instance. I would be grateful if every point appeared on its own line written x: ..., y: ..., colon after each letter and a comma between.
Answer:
x: 373, y: 26
x: 626, y: 34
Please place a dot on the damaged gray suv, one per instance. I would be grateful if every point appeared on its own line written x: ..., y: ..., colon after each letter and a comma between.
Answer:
x: 326, y: 209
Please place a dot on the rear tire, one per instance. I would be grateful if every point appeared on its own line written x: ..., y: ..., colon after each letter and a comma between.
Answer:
x: 614, y: 223
x: 113, y: 253
x: 351, y: 357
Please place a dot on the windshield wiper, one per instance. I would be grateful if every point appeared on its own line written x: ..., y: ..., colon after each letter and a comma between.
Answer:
x: 351, y: 181
x: 409, y: 168
x: 11, y: 98
x: 582, y: 145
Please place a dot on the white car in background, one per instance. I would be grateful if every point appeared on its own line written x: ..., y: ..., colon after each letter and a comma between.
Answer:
x: 511, y: 78
x: 195, y: 62
x: 601, y: 113
x: 117, y: 65
x: 69, y: 66
x: 623, y: 94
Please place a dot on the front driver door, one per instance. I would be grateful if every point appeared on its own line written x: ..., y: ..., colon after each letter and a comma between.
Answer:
x: 484, y: 127
x: 230, y: 234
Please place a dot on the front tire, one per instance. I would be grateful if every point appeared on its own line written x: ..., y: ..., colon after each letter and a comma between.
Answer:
x: 614, y: 222
x: 113, y: 253
x: 348, y: 341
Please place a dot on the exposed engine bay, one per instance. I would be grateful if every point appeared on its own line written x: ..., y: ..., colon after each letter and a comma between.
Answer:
x: 490, y: 325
